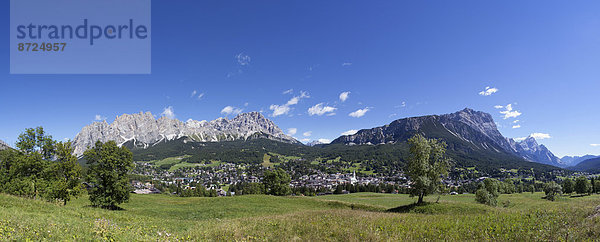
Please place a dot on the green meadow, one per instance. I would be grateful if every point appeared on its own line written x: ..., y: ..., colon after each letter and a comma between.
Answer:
x: 352, y: 217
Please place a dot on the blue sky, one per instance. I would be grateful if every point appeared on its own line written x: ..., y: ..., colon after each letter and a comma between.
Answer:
x: 396, y: 59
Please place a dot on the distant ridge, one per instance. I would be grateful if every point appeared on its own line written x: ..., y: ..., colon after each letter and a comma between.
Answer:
x: 574, y: 160
x: 590, y: 165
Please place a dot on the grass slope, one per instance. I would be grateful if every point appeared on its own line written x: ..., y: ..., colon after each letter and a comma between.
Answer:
x: 362, y: 216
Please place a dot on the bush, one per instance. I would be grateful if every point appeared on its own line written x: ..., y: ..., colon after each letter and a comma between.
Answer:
x: 488, y: 192
x: 552, y: 190
x: 484, y: 197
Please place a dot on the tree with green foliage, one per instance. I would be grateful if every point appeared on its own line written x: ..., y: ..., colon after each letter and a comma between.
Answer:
x: 277, y: 182
x: 488, y: 192
x: 552, y: 190
x: 567, y: 186
x: 108, y: 174
x: 597, y: 185
x: 582, y: 185
x: 531, y: 188
x: 36, y: 140
x: 40, y: 167
x: 65, y: 173
x: 508, y: 187
x: 426, y: 165
x: 339, y: 189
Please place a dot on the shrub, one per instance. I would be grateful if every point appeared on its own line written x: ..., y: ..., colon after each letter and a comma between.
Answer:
x: 484, y: 197
x: 488, y: 192
x: 552, y: 190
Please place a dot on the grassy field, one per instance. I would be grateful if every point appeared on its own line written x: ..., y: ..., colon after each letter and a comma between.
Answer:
x: 361, y: 216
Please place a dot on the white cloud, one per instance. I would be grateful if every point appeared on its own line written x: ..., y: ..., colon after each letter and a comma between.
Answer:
x: 344, y: 96
x: 516, y: 121
x: 324, y: 141
x: 285, y: 108
x: 168, y: 112
x: 509, y: 112
x: 540, y: 136
x: 231, y: 110
x: 488, y: 91
x: 498, y: 107
x: 243, y: 59
x: 537, y: 136
x: 350, y: 132
x: 99, y: 117
x: 305, y: 140
x: 279, y: 110
x: 320, y: 109
x: 359, y: 113
x: 516, y: 126
x: 307, y: 133
x: 595, y: 145
x: 347, y: 64
x: 200, y: 95
x: 292, y: 131
x: 289, y: 91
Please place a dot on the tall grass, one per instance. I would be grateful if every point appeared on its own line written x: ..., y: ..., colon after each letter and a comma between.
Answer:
x: 353, y: 217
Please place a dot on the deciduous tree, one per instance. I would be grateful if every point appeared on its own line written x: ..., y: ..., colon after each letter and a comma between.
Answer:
x: 426, y: 165
x: 567, y: 186
x: 277, y: 182
x: 582, y: 185
x: 109, y: 174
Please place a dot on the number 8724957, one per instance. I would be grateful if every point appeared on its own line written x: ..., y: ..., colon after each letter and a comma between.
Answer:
x: 42, y: 46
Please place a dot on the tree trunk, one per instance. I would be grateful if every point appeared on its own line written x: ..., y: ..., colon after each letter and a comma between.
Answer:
x: 420, y: 199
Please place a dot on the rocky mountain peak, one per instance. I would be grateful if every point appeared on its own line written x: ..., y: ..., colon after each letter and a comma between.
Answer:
x: 475, y: 127
x: 529, y: 143
x: 4, y: 145
x: 144, y: 129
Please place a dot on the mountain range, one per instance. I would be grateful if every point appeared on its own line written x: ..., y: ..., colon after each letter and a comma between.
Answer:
x: 472, y: 137
x: 474, y: 130
x: 144, y: 130
x: 574, y: 160
x: 590, y: 165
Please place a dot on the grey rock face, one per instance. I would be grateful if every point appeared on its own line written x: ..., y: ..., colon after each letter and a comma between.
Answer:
x: 3, y: 145
x: 143, y: 128
x: 315, y: 142
x: 466, y: 124
x: 475, y: 127
x: 532, y: 151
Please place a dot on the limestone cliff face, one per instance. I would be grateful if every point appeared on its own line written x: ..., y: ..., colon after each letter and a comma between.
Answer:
x: 144, y: 129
